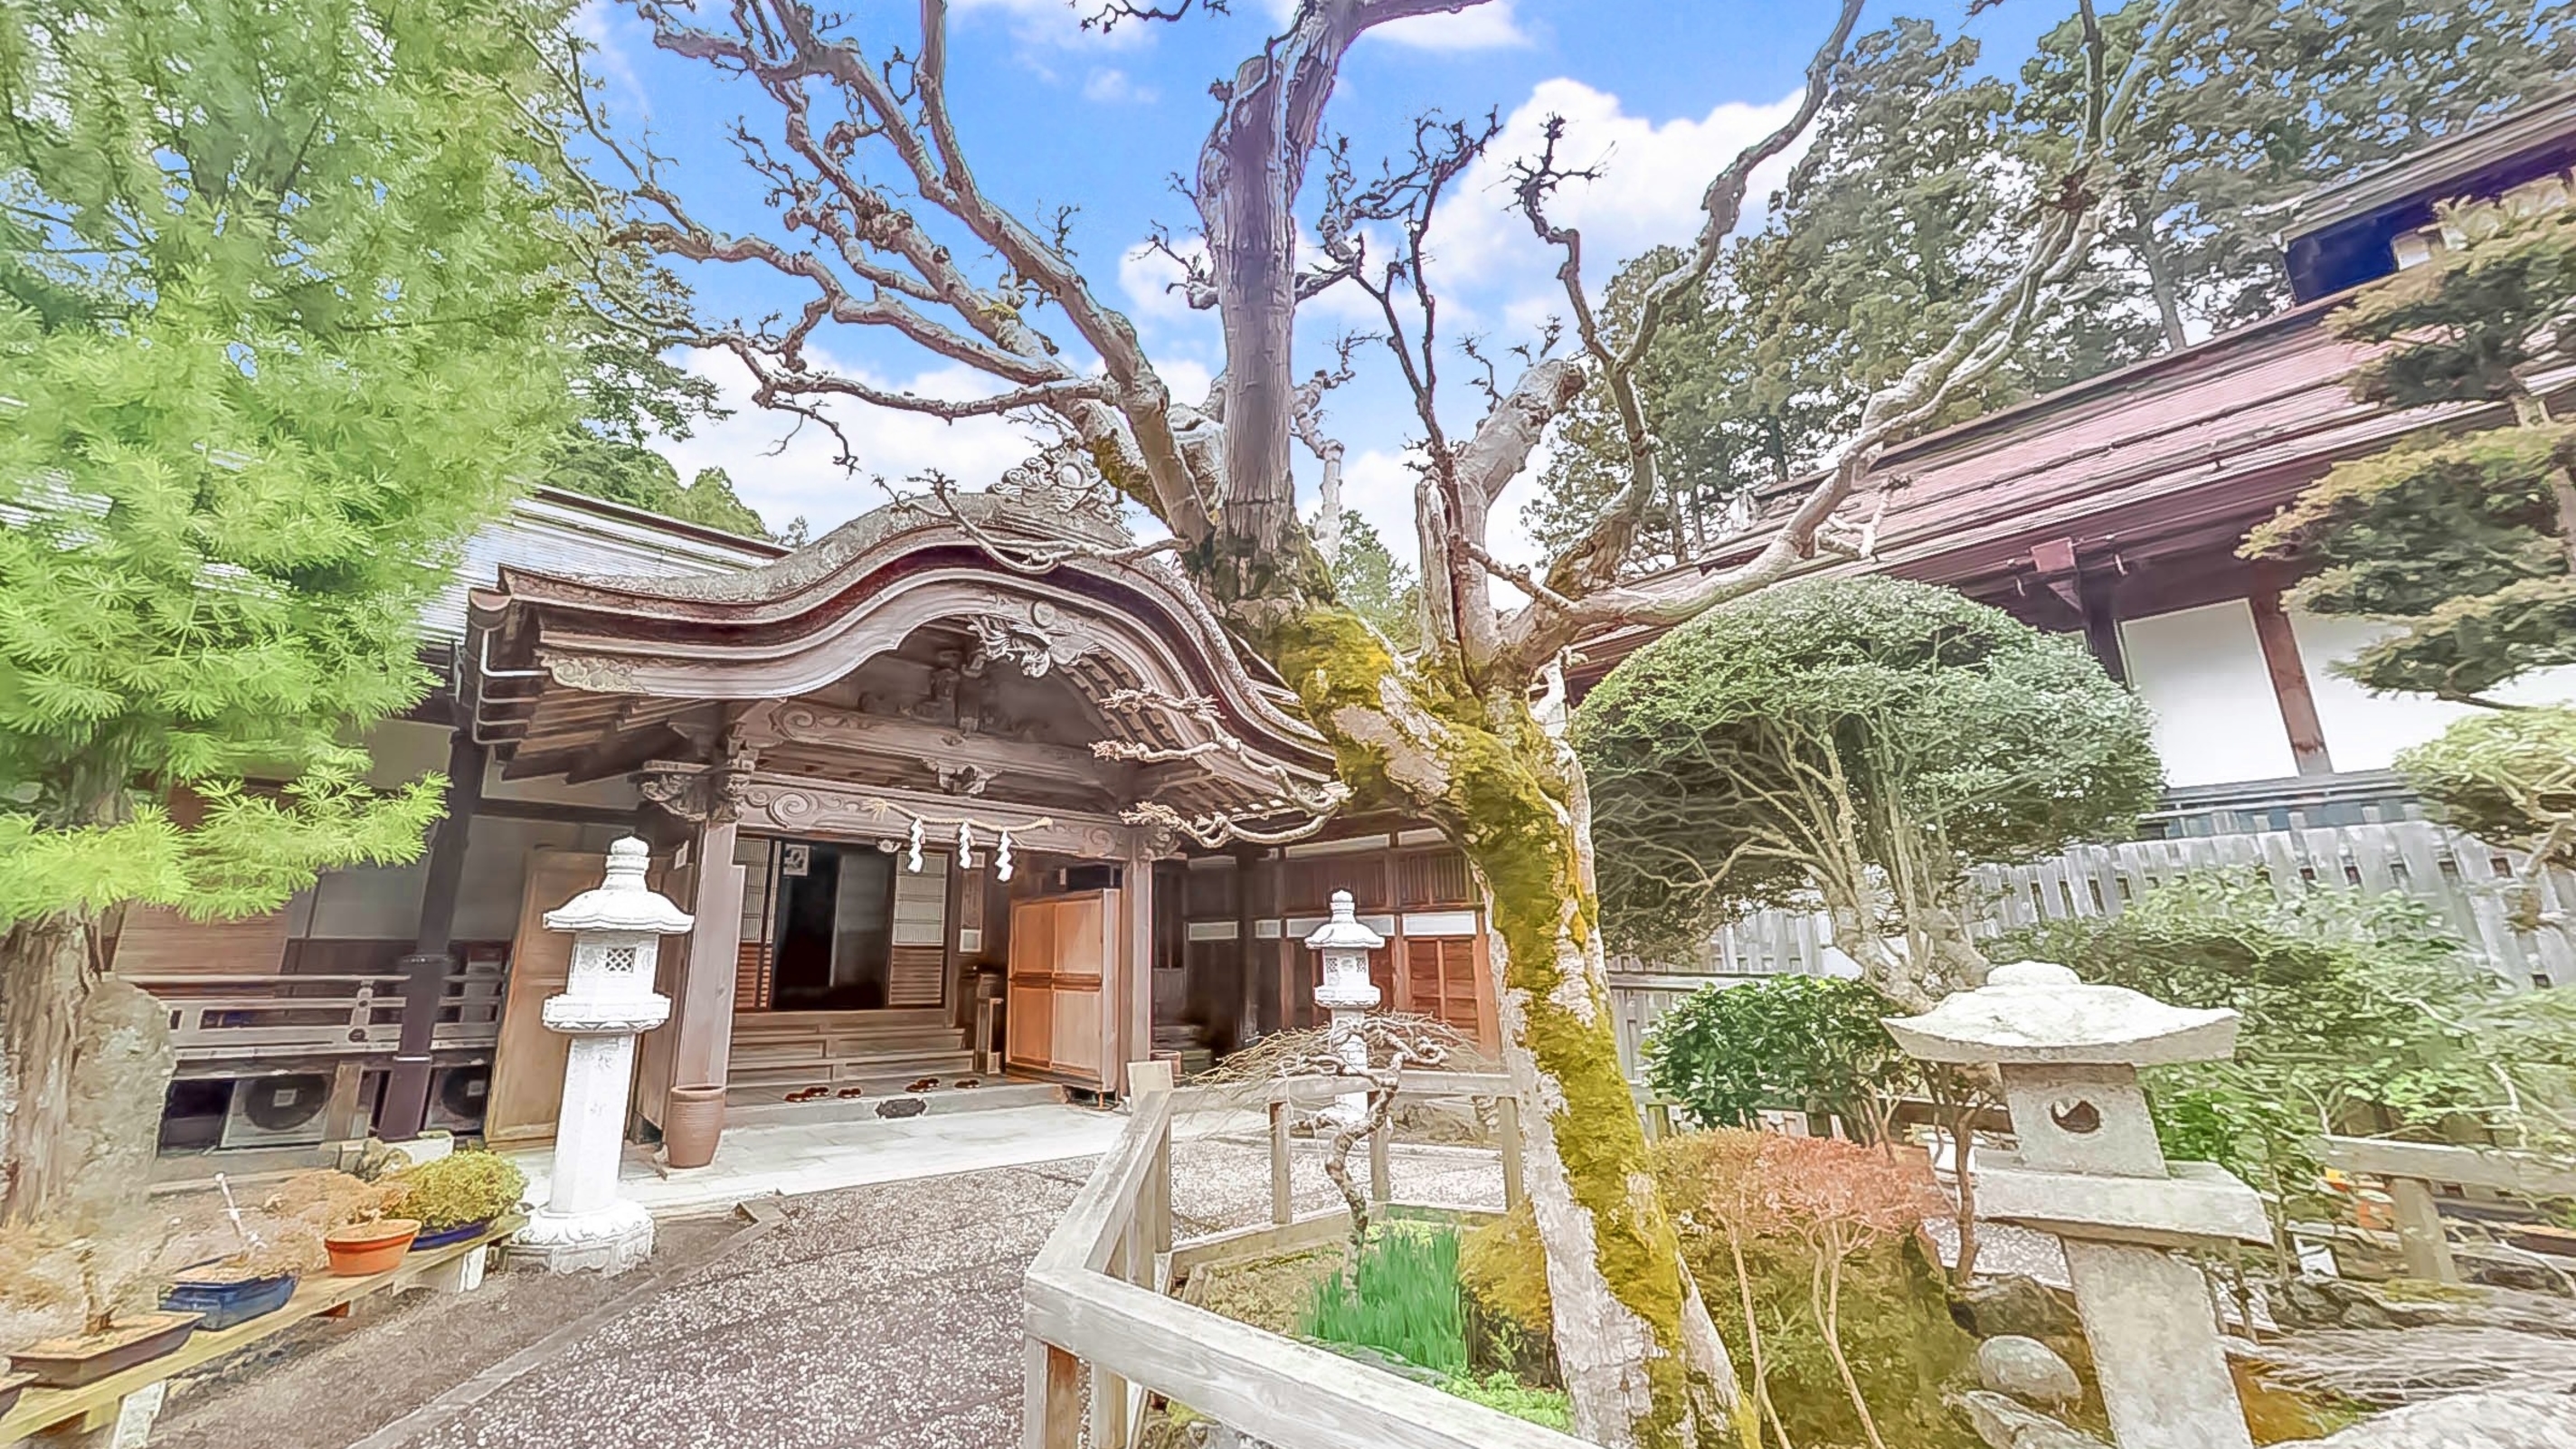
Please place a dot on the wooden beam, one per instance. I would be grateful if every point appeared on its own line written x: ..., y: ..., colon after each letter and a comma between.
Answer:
x: 406, y: 1104
x: 2280, y: 644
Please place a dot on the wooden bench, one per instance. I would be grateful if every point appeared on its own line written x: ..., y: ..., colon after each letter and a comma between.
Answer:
x: 2411, y: 1170
x: 119, y: 1409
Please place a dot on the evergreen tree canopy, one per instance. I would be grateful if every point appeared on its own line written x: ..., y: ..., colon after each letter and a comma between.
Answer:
x: 633, y: 474
x: 1376, y: 585
x: 2463, y: 542
x: 1823, y: 734
x: 290, y: 299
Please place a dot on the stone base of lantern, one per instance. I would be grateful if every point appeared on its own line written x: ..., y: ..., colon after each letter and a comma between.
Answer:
x: 609, y: 1240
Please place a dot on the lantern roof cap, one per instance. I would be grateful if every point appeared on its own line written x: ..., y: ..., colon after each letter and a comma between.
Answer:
x: 2037, y: 1012
x: 1343, y: 931
x: 621, y: 901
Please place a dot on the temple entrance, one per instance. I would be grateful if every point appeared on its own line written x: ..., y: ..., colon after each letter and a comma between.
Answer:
x: 854, y: 929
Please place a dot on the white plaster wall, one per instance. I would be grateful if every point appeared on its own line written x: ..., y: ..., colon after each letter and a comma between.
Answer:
x: 2365, y: 731
x: 2202, y: 672
x: 377, y: 903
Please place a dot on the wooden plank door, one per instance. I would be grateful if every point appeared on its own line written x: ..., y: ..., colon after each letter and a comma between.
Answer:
x: 1083, y: 949
x: 1030, y: 1010
x: 1061, y: 951
x: 528, y: 1060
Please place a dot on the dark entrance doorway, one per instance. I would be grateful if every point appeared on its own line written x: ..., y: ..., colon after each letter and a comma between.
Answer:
x: 835, y: 927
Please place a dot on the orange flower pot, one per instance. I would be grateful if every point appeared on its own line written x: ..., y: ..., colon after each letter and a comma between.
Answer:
x: 364, y: 1248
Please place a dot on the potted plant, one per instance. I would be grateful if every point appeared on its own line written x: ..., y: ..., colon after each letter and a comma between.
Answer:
x: 456, y: 1197
x: 101, y: 1272
x: 358, y: 1238
x: 256, y: 1278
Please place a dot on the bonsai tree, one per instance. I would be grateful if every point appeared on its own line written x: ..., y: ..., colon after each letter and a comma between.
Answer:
x: 458, y: 1189
x: 1388, y: 1043
x: 2462, y: 542
x: 2508, y: 777
x: 1862, y: 740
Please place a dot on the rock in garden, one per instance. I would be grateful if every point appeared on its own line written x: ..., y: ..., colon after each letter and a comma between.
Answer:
x: 2514, y: 1419
x: 1994, y: 1307
x: 2027, y: 1369
x: 2004, y: 1424
x: 2317, y: 1302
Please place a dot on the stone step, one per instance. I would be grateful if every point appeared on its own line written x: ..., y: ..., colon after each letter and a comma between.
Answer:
x: 761, y: 1107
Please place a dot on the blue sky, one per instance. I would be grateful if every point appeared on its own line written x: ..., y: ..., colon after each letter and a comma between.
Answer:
x: 1663, y: 94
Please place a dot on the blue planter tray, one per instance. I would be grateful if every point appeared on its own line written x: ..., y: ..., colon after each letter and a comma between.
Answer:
x: 449, y: 1237
x: 225, y: 1304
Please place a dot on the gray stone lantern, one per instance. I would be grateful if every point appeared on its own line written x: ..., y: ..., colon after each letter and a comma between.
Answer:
x: 607, y: 1001
x: 2089, y: 1170
x: 1347, y: 993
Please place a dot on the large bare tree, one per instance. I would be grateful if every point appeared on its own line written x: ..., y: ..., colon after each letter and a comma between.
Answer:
x: 873, y: 200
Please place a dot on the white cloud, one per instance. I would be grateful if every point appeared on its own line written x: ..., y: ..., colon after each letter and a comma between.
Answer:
x: 1648, y: 192
x: 1491, y: 26
x: 1147, y: 277
x: 1109, y: 85
x: 785, y: 471
x: 596, y: 25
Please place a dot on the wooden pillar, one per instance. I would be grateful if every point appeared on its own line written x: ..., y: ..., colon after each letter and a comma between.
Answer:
x: 1255, y: 1020
x: 2102, y: 624
x: 2420, y: 1237
x: 1132, y: 1035
x: 2290, y: 682
x: 702, y: 1007
x: 425, y: 970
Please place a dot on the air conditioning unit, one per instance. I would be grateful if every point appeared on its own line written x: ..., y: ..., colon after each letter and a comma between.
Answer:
x: 279, y: 1111
x: 456, y: 1096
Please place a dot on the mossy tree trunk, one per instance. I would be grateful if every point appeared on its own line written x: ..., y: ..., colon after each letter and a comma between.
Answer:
x: 85, y: 1062
x: 1643, y: 1362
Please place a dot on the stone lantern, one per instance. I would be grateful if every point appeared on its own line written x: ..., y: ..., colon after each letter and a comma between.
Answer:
x: 2089, y: 1171
x: 1347, y: 993
x: 607, y: 1001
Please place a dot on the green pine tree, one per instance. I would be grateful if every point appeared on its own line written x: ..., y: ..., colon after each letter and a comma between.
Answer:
x: 291, y: 298
x: 1376, y: 585
x: 2464, y: 542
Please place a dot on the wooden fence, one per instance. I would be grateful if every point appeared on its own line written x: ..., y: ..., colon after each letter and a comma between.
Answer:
x: 2470, y: 884
x: 244, y: 1018
x: 1096, y: 1307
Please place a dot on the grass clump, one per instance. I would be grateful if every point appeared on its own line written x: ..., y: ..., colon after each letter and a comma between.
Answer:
x: 1500, y: 1391
x: 1402, y: 1300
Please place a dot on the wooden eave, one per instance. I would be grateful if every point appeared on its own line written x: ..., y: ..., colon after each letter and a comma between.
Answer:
x: 2175, y: 456
x: 594, y: 676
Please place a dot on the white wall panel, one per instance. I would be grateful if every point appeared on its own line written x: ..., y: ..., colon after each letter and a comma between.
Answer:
x: 2202, y: 672
x: 2365, y: 731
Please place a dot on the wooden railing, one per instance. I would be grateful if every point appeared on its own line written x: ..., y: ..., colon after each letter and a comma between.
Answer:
x: 250, y: 1017
x: 1096, y: 1306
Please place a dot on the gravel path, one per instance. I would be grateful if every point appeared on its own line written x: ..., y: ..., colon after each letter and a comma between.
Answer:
x: 878, y: 1317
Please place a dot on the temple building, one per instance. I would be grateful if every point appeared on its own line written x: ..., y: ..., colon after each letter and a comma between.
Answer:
x: 891, y: 778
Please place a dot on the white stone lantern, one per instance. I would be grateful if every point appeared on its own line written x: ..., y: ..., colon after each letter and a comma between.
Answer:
x: 607, y: 1001
x: 2089, y: 1170
x: 1346, y: 992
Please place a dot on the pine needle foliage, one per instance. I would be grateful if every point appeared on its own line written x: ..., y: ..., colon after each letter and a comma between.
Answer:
x: 2463, y: 545
x: 291, y: 298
